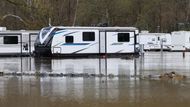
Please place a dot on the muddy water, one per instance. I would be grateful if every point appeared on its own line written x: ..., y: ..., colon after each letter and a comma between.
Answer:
x: 125, y: 90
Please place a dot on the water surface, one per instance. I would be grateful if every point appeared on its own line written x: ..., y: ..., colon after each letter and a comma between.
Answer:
x: 125, y: 90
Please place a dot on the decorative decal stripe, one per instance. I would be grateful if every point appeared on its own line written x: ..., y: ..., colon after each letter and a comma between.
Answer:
x: 42, y: 39
x: 79, y: 50
x: 57, y: 44
x: 83, y: 49
x: 59, y: 32
x: 70, y: 33
x: 120, y: 51
x: 120, y: 44
x: 117, y: 43
x: 67, y: 34
x: 75, y: 44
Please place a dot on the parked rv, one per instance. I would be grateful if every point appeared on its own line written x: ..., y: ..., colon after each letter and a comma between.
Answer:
x: 3, y: 29
x: 86, y: 41
x: 181, y: 41
x: 16, y: 43
x: 155, y: 41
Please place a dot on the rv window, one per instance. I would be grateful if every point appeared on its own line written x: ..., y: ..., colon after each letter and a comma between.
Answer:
x: 158, y: 38
x: 88, y: 36
x: 10, y: 39
x: 123, y: 37
x: 69, y: 39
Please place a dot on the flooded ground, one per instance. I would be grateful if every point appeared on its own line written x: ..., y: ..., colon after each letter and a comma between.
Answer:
x: 125, y: 89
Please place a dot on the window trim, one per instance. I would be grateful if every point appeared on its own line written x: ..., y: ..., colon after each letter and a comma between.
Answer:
x: 7, y: 42
x: 128, y: 39
x: 89, y: 39
x: 69, y: 37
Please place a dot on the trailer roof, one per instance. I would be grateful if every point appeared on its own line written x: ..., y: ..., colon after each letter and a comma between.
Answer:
x: 18, y: 31
x: 98, y: 28
x: 151, y: 34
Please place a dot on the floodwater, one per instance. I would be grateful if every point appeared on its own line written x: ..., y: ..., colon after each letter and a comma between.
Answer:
x: 124, y: 90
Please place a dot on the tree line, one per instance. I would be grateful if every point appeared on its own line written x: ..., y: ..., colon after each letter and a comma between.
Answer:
x: 152, y: 15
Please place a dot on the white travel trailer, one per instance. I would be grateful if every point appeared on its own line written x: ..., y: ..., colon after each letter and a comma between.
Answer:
x: 155, y: 41
x: 180, y: 40
x: 3, y: 29
x: 16, y: 43
x: 86, y: 41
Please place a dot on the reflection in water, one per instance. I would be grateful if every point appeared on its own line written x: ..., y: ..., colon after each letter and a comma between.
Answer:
x: 125, y: 90
x: 19, y: 91
x: 42, y: 64
x: 90, y: 66
x: 150, y: 64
